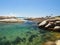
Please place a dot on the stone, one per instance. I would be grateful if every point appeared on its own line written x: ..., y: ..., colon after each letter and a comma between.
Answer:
x: 57, y: 42
x: 49, y: 43
x: 57, y: 28
x: 42, y: 24
x: 57, y: 23
x: 50, y: 25
x: 53, y: 25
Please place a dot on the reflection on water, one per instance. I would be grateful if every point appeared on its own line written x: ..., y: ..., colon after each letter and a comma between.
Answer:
x: 26, y: 33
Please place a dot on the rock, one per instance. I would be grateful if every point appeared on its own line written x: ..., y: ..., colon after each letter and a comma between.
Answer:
x: 42, y: 24
x: 57, y: 28
x: 50, y: 25
x: 58, y: 42
x: 11, y: 20
x: 47, y: 25
x: 53, y: 25
x: 52, y: 20
x: 49, y: 43
x: 7, y: 17
x: 57, y: 23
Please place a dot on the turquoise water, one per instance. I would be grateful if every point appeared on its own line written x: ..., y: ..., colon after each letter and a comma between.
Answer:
x: 16, y: 29
x: 26, y: 33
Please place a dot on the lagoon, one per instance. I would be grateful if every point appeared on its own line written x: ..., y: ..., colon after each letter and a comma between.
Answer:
x: 26, y: 33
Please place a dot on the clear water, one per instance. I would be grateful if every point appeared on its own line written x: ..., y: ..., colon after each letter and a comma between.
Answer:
x: 26, y: 33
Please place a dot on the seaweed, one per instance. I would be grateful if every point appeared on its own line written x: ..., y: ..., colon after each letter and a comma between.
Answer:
x: 17, y: 40
x: 31, y: 38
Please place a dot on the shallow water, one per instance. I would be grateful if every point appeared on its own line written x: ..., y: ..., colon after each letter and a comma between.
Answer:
x: 26, y: 33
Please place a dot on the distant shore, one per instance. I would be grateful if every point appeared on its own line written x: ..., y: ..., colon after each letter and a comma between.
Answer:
x: 13, y: 19
x: 10, y: 19
x: 40, y: 19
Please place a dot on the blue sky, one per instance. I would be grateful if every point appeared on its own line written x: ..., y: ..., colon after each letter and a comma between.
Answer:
x: 29, y: 8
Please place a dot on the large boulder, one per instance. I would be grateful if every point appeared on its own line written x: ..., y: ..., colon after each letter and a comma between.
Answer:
x: 57, y: 23
x: 57, y: 28
x: 50, y: 25
x: 43, y: 23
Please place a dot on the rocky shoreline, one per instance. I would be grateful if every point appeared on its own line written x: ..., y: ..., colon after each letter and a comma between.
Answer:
x: 50, y: 24
x: 10, y: 19
x: 36, y: 19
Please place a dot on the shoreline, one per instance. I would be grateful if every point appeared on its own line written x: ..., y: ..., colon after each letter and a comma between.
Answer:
x: 10, y: 19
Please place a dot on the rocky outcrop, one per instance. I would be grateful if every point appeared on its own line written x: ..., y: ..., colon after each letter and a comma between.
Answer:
x: 10, y: 19
x: 7, y: 17
x: 43, y: 23
x: 52, y: 24
x: 35, y: 19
